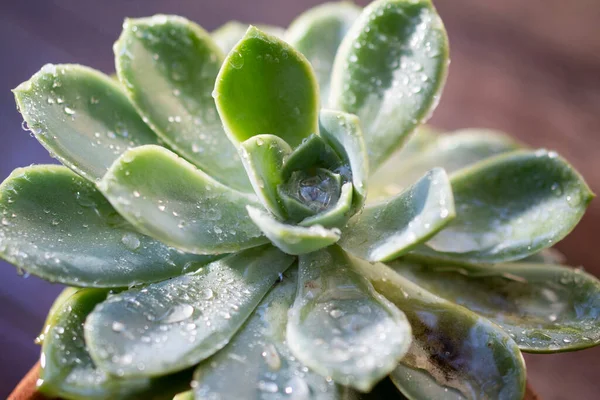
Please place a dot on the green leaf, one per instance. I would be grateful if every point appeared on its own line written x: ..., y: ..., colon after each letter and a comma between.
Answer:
x: 545, y: 308
x: 339, y: 326
x: 168, y: 66
x: 260, y: 361
x: 292, y: 239
x: 337, y: 215
x: 227, y: 35
x: 387, y: 230
x: 318, y: 32
x: 267, y: 87
x: 81, y: 116
x: 62, y: 297
x: 390, y: 70
x: 169, y: 199
x: 67, y: 370
x: 343, y: 133
x: 451, y: 151
x: 185, y: 319
x: 262, y: 156
x: 509, y: 207
x: 56, y: 225
x: 312, y: 153
x: 455, y: 354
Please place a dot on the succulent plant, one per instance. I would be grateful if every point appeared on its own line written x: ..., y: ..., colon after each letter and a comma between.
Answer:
x: 279, y: 223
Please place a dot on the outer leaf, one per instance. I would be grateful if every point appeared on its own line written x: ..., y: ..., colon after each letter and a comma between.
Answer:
x: 387, y: 230
x: 545, y: 308
x: 168, y: 66
x: 56, y: 225
x: 293, y: 239
x: 340, y: 326
x: 389, y: 70
x: 62, y: 297
x: 81, y: 117
x: 343, y: 133
x: 260, y: 361
x: 227, y: 35
x: 185, y: 319
x: 318, y: 32
x: 452, y: 152
x: 267, y: 87
x: 455, y: 354
x: 169, y: 199
x: 262, y: 156
x: 509, y: 207
x: 69, y: 372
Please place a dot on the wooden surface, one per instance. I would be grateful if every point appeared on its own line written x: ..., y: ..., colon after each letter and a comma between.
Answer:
x: 529, y: 67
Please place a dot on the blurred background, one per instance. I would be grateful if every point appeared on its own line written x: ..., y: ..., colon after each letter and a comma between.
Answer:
x: 527, y: 67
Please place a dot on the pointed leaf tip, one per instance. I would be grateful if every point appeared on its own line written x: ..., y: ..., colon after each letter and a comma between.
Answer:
x: 171, y: 200
x: 340, y: 326
x: 265, y: 86
x: 390, y: 70
x: 81, y: 116
x: 509, y: 207
x: 292, y: 239
x: 173, y: 56
x: 185, y: 319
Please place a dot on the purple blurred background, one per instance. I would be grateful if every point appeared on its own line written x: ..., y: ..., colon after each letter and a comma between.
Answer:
x: 529, y: 67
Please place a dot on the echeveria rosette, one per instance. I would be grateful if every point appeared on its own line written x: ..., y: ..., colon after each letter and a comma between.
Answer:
x: 226, y: 211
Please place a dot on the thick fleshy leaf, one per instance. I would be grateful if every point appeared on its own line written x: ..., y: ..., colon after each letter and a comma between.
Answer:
x: 293, y: 239
x: 67, y: 371
x: 337, y: 215
x: 339, y: 326
x: 54, y: 224
x: 265, y: 86
x: 81, y: 116
x: 455, y: 354
x: 185, y: 319
x: 387, y: 230
x: 318, y: 32
x: 169, y: 199
x: 509, y: 207
x: 227, y: 35
x: 262, y: 156
x: 389, y: 70
x: 168, y: 66
x: 62, y: 297
x: 452, y: 151
x: 545, y: 308
x: 260, y: 361
x: 343, y: 133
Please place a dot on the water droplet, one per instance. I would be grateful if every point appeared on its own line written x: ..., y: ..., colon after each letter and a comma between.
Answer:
x: 207, y: 294
x: 118, y: 326
x: 69, y: 111
x: 177, y: 313
x: 335, y: 313
x: 131, y: 240
x: 236, y: 60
